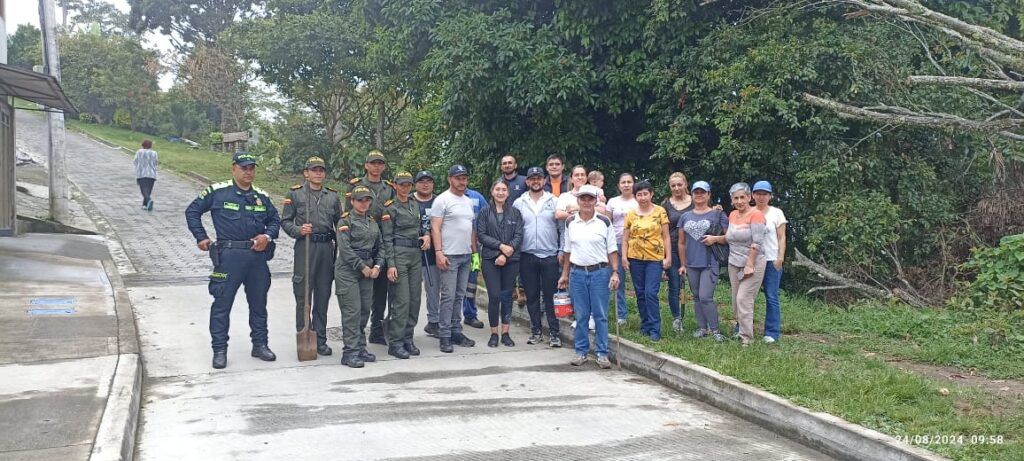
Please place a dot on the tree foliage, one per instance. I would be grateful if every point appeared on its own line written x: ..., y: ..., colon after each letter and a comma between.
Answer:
x: 25, y: 47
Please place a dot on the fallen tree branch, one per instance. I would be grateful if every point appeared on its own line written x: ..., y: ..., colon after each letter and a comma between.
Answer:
x: 841, y: 282
x: 1009, y: 85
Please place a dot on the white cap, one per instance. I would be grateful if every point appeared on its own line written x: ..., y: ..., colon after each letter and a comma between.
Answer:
x: 587, y: 189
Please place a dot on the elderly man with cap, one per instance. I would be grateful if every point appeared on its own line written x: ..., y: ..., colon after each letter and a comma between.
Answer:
x: 383, y: 194
x: 310, y: 213
x: 246, y: 224
x: 451, y: 222
x: 404, y: 242
x: 591, y: 257
x: 360, y: 261
x: 538, y: 263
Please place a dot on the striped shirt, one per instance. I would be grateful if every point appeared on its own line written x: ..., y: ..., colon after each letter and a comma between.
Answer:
x: 145, y: 163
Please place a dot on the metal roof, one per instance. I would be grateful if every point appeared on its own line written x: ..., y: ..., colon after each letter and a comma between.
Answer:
x: 33, y: 86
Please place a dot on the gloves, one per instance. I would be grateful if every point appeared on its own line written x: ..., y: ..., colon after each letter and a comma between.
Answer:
x: 476, y: 263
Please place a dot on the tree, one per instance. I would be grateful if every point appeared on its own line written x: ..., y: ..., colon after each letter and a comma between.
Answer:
x: 189, y: 23
x: 210, y: 74
x: 25, y: 47
x: 96, y: 13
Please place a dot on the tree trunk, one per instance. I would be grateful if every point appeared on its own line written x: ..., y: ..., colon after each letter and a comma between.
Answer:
x: 839, y: 282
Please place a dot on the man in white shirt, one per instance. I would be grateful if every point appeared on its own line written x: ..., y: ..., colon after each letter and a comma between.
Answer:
x: 451, y: 227
x: 591, y: 257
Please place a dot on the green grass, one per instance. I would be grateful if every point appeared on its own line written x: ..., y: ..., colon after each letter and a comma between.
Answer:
x: 831, y: 359
x: 182, y: 159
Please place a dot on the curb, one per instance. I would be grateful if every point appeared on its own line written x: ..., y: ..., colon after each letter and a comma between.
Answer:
x: 115, y: 438
x: 824, y: 432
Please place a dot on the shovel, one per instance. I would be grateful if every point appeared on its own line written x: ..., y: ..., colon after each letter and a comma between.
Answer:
x: 305, y: 339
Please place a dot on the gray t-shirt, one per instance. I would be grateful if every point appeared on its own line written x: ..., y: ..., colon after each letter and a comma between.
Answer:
x: 456, y: 212
x: 696, y: 225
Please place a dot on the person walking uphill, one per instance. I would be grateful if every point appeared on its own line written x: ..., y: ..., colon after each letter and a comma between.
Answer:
x: 145, y: 162
x: 403, y: 243
x: 359, y: 263
x: 382, y: 191
x: 538, y: 264
x: 246, y: 224
x: 499, y: 229
x: 312, y: 210
x: 591, y: 254
x: 451, y: 223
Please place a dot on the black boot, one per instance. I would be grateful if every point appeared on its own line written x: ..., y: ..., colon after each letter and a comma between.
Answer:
x: 323, y: 349
x: 446, y: 345
x: 220, y: 359
x: 506, y: 340
x: 431, y: 329
x: 377, y: 336
x: 398, y: 351
x: 493, y: 342
x: 411, y: 348
x: 460, y: 339
x: 262, y: 352
x: 351, y: 359
x: 366, y: 356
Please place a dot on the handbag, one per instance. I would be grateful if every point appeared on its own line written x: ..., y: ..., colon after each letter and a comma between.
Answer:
x: 720, y: 251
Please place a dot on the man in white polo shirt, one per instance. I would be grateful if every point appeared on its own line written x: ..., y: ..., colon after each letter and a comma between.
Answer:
x: 590, y: 271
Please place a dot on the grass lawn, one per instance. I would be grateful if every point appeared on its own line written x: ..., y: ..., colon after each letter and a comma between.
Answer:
x: 182, y: 159
x: 836, y: 360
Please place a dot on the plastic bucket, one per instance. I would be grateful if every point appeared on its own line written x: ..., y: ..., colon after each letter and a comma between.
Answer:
x: 563, y: 305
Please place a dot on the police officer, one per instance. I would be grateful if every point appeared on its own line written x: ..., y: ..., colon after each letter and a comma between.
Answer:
x: 359, y: 263
x: 404, y: 241
x: 323, y: 208
x: 246, y: 223
x: 382, y: 191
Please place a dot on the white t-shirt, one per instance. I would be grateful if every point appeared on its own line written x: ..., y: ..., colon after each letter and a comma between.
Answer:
x: 566, y: 199
x: 773, y: 219
x: 620, y: 208
x: 589, y: 242
x: 456, y: 212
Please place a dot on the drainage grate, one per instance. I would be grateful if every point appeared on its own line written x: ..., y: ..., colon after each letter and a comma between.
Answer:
x: 68, y: 311
x: 52, y: 301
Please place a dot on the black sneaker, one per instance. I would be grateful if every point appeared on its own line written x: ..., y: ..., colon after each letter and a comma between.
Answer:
x: 220, y: 359
x: 460, y: 339
x: 475, y: 323
x: 323, y: 349
x: 493, y: 342
x: 377, y: 338
x: 351, y: 359
x: 366, y: 356
x: 446, y: 345
x: 431, y: 329
x: 262, y: 352
x: 398, y: 351
x: 506, y: 340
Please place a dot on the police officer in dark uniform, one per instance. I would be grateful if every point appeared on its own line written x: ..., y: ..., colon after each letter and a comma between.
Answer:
x: 360, y: 261
x: 246, y: 223
x: 382, y: 191
x: 404, y: 242
x: 323, y: 208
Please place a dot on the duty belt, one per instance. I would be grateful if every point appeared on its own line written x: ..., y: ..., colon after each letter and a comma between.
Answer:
x: 242, y: 244
x: 364, y: 254
x: 592, y: 268
x: 407, y: 242
x: 321, y: 237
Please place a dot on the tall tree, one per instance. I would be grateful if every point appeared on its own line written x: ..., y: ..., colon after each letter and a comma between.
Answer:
x: 25, y: 47
x: 190, y: 22
x: 102, y: 74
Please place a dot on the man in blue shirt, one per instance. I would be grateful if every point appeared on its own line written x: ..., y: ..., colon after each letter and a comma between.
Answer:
x: 246, y: 224
x: 469, y: 310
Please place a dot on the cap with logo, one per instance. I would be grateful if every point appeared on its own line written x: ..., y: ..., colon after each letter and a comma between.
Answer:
x: 535, y: 171
x: 403, y: 177
x: 243, y: 158
x: 762, y: 186
x: 315, y: 161
x: 424, y: 175
x: 361, y: 192
x: 458, y: 170
x: 702, y: 185
x: 375, y: 156
x: 587, y: 189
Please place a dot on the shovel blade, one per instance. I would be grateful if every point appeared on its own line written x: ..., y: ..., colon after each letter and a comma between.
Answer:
x: 306, y: 345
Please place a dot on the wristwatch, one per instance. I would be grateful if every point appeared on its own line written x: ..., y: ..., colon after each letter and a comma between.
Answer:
x: 269, y: 238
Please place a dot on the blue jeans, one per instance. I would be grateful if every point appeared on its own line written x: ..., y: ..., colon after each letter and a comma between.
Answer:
x: 773, y: 310
x: 620, y: 294
x: 469, y: 310
x: 647, y: 282
x: 590, y: 295
x: 675, y: 286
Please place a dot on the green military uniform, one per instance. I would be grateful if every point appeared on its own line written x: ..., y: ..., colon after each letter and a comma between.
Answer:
x: 323, y: 207
x: 401, y: 227
x: 359, y: 245
x: 382, y: 191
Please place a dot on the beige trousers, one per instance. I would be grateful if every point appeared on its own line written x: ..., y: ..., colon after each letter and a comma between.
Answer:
x: 743, y: 294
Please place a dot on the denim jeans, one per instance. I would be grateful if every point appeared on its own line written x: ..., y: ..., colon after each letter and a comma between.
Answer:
x: 773, y: 310
x: 590, y: 293
x: 647, y: 282
x: 453, y: 291
x: 620, y: 295
x: 675, y: 286
x: 432, y: 289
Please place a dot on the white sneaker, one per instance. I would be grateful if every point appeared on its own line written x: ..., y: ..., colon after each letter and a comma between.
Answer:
x: 621, y: 321
x: 677, y: 325
x: 592, y: 325
x: 769, y: 340
x: 573, y: 326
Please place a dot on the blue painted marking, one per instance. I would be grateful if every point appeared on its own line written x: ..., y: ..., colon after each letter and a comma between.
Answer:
x: 50, y: 311
x: 53, y: 301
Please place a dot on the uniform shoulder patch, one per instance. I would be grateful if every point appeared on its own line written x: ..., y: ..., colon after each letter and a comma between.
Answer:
x: 261, y: 191
x: 354, y: 181
x: 388, y: 202
x: 344, y: 215
x: 389, y: 183
x: 332, y: 190
x: 220, y: 185
x: 297, y: 186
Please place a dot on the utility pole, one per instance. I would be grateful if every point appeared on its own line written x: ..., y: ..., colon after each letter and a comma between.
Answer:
x: 55, y: 120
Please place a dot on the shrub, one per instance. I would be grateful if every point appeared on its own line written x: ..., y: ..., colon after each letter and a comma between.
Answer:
x: 1000, y: 276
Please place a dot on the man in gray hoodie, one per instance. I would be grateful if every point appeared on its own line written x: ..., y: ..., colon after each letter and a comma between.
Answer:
x: 539, y: 268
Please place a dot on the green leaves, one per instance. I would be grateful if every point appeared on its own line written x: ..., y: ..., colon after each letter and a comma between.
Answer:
x: 999, y: 283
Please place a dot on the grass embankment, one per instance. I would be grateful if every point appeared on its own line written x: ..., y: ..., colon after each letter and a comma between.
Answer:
x: 182, y: 159
x: 838, y: 361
